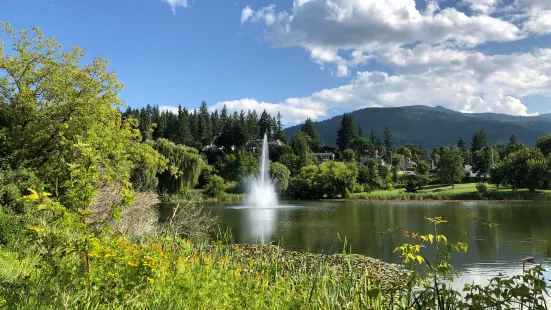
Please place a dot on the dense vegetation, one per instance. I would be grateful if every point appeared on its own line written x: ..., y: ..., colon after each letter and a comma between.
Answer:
x: 79, y: 185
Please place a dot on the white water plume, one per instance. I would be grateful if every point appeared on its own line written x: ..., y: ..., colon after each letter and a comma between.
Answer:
x: 261, y: 187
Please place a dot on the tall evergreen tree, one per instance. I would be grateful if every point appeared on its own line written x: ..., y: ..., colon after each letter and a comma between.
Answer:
x: 312, y: 131
x: 265, y: 124
x: 513, y: 145
x: 215, y: 121
x: 360, y: 131
x: 348, y: 132
x: 388, y: 143
x: 480, y: 141
x: 145, y: 125
x: 205, y: 125
x: 373, y: 137
x: 279, y: 133
x: 466, y: 153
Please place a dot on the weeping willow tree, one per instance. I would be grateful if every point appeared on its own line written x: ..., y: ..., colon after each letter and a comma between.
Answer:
x: 184, y: 167
x: 147, y: 163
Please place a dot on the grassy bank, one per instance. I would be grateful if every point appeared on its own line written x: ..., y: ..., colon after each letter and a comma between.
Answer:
x: 177, y: 274
x: 461, y: 192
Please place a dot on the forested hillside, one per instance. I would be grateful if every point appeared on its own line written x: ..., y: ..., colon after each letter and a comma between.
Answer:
x: 432, y: 126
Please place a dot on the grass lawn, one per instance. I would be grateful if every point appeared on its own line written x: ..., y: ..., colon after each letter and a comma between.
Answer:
x: 465, y: 191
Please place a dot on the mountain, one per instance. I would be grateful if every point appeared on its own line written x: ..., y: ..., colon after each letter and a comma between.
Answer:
x: 429, y: 126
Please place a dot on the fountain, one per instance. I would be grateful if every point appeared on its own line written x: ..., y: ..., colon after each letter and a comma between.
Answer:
x: 261, y: 187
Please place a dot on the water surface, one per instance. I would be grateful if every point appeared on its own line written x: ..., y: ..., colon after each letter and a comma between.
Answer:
x: 524, y: 230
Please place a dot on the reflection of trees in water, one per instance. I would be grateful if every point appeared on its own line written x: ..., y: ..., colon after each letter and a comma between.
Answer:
x: 315, y: 227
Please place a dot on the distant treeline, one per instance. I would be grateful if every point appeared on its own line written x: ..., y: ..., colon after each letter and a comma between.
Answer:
x: 200, y: 127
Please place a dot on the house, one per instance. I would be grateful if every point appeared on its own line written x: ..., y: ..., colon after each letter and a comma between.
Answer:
x: 324, y: 156
x: 328, y: 149
x: 210, y: 147
x: 409, y: 162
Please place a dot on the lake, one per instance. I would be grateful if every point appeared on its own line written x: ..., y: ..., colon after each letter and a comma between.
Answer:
x: 320, y: 226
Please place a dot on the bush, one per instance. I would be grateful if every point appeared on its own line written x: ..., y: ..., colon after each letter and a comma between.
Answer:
x: 205, y: 175
x: 14, y: 184
x: 281, y: 175
x: 215, y: 187
x: 482, y: 188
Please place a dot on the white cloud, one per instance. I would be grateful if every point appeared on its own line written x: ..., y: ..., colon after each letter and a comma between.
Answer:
x: 168, y: 109
x: 432, y: 54
x: 328, y: 28
x: 466, y: 81
x: 482, y: 6
x: 246, y: 14
x: 293, y: 110
x: 174, y: 4
x: 539, y: 21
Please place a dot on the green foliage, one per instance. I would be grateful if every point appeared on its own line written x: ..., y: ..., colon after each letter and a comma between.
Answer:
x: 406, y: 152
x: 330, y: 179
x: 237, y: 168
x: 522, y: 169
x: 215, y: 187
x: 397, y: 161
x: 281, y: 175
x: 388, y: 143
x: 415, y: 183
x: 301, y: 148
x: 482, y: 188
x: 423, y: 168
x: 247, y: 164
x: 290, y: 161
x: 146, y: 164
x: 338, y: 178
x: 450, y: 166
x: 311, y: 131
x: 52, y: 101
x: 544, y: 144
x: 184, y: 168
x: 482, y: 162
x: 368, y: 174
x: 480, y: 141
x: 349, y: 155
x: 348, y: 132
x: 14, y: 184
x: 306, y: 185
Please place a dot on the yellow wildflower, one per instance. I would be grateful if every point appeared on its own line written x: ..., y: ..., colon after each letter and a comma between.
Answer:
x: 150, y: 280
x: 33, y: 196
x: 93, y: 254
x: 109, y: 255
x: 38, y: 229
x: 132, y: 264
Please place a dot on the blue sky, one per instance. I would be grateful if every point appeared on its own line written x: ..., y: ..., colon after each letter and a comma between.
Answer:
x: 285, y: 55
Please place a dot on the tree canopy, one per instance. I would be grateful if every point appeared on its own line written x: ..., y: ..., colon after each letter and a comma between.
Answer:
x: 348, y: 132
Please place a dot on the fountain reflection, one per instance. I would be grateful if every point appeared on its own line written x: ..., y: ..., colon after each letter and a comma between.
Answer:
x: 262, y: 223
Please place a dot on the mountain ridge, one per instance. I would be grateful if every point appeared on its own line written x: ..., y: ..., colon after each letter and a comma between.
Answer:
x: 430, y: 126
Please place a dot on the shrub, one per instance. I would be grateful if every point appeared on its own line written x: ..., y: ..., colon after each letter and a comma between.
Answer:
x: 190, y: 221
x: 482, y: 188
x: 215, y: 187
x: 139, y: 219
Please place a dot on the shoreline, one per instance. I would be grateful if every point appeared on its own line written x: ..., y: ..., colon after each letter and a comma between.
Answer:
x: 435, y: 200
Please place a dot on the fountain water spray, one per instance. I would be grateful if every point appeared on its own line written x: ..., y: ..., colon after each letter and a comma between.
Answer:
x: 261, y: 187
